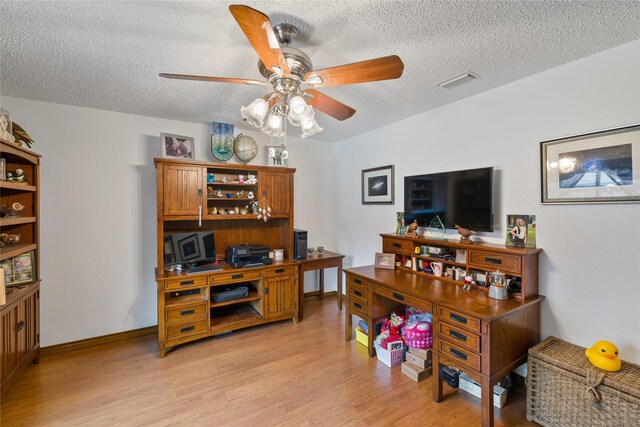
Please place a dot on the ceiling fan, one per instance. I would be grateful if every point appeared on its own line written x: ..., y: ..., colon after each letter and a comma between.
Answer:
x: 287, y: 69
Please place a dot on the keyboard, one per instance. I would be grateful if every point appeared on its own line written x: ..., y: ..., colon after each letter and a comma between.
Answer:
x: 199, y: 269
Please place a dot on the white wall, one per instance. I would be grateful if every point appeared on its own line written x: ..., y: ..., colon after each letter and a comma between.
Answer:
x: 590, y: 264
x: 98, y: 199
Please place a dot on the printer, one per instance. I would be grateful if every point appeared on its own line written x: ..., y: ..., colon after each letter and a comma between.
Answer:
x: 246, y: 255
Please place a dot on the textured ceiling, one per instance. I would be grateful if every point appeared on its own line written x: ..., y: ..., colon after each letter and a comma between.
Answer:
x: 107, y: 55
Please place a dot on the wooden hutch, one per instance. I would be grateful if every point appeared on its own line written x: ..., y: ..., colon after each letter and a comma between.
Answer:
x: 20, y: 315
x: 484, y: 337
x: 187, y: 202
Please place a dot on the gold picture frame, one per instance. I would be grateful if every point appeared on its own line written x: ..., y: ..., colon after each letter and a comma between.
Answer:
x: 384, y: 260
x: 20, y: 269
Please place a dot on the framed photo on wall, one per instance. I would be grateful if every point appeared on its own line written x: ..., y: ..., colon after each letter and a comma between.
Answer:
x: 177, y: 146
x: 377, y: 186
x: 598, y: 167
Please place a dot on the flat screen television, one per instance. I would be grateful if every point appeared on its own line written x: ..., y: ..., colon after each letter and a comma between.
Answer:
x: 189, y: 248
x: 460, y: 197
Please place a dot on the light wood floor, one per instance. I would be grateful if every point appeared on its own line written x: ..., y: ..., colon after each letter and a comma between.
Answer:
x: 288, y: 374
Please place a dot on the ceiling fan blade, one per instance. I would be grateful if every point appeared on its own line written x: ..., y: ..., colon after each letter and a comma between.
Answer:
x: 385, y: 68
x: 211, y: 79
x: 258, y: 29
x: 330, y: 106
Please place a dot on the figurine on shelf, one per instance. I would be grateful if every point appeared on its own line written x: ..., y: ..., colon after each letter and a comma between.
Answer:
x: 224, y: 179
x: 251, y: 179
x: 17, y: 176
x: 412, y: 229
x: 12, y: 211
x: 210, y: 192
x: 244, y: 210
x: 10, y: 239
x: 240, y: 194
x: 20, y: 135
x: 5, y: 126
x: 213, y: 211
x: 229, y: 195
x: 465, y: 234
x: 250, y: 195
x: 219, y: 194
x: 241, y: 179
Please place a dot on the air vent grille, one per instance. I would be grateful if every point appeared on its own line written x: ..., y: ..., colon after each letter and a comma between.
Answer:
x: 459, y: 80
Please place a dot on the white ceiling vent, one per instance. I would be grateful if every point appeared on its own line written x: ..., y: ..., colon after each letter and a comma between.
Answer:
x: 459, y: 80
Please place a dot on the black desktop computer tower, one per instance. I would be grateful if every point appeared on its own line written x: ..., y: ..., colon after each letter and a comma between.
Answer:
x: 299, y: 244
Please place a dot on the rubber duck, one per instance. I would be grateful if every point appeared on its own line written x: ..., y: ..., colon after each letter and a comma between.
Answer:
x: 604, y: 355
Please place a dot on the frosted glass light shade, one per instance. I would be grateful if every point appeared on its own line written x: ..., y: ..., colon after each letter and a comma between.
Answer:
x: 255, y: 112
x: 274, y: 125
x: 310, y: 127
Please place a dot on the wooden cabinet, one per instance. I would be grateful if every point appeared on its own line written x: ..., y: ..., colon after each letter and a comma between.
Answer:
x: 201, y: 196
x: 182, y: 188
x: 519, y: 264
x: 20, y: 316
x: 280, y: 293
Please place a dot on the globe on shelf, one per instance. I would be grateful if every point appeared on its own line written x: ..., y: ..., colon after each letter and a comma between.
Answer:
x: 245, y: 148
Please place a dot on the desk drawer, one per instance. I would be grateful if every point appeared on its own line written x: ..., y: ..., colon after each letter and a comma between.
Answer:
x: 186, y: 313
x: 492, y: 261
x: 398, y: 246
x: 186, y: 329
x: 458, y: 319
x: 358, y: 291
x: 185, y: 296
x: 240, y: 276
x: 460, y: 354
x: 405, y: 299
x: 459, y: 337
x: 172, y: 285
x: 359, y: 305
x: 279, y: 271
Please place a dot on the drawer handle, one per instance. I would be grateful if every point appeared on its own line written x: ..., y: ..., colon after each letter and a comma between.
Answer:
x: 458, y: 318
x: 458, y: 335
x: 191, y: 328
x: 398, y: 296
x: 237, y: 276
x: 493, y: 260
x: 358, y: 281
x: 357, y: 293
x: 280, y: 270
x: 357, y: 305
x: 186, y: 282
x: 458, y: 354
x: 397, y: 245
x: 187, y: 312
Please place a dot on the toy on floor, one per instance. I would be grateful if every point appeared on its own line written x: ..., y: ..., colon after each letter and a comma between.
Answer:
x: 604, y: 355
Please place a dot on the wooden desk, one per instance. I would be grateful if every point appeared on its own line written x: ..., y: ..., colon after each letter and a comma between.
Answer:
x: 484, y: 337
x: 317, y: 261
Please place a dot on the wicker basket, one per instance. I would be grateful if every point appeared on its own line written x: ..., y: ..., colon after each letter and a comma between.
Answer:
x: 564, y: 389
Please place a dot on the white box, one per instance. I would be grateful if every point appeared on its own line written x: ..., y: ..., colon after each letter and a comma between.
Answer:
x: 470, y: 386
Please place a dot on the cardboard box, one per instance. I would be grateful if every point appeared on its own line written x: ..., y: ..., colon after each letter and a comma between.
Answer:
x: 422, y: 353
x: 361, y: 337
x: 414, y: 372
x: 470, y: 386
x: 390, y: 358
x: 418, y: 361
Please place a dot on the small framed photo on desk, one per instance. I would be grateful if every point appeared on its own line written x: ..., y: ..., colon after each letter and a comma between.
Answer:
x: 385, y: 261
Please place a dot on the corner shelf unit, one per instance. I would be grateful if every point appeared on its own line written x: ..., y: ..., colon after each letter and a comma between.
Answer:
x: 20, y: 315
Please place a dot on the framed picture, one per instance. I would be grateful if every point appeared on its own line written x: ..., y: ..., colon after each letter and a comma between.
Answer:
x: 19, y: 269
x: 177, y: 146
x: 598, y: 167
x: 521, y: 231
x: 377, y: 186
x: 277, y: 155
x: 385, y: 261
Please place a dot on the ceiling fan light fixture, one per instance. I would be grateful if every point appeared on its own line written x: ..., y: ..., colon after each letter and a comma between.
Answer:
x: 310, y: 127
x: 297, y: 104
x: 274, y: 125
x: 255, y: 112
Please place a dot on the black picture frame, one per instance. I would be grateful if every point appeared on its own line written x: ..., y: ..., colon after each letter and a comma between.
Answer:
x: 378, y: 186
x: 597, y: 167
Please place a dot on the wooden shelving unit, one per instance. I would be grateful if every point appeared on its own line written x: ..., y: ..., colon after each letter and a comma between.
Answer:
x: 20, y: 316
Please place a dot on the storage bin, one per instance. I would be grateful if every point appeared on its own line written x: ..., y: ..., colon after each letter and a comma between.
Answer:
x: 361, y: 337
x: 564, y: 389
x: 390, y: 358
